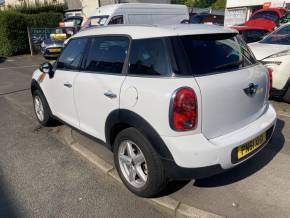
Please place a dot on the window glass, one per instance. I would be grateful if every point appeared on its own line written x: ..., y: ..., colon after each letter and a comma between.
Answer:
x: 215, y: 53
x: 254, y: 35
x: 281, y: 36
x: 266, y: 15
x: 149, y: 57
x: 117, y: 20
x: 71, y: 56
x: 107, y: 54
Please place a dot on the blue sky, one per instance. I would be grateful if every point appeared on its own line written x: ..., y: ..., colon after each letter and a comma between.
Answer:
x: 2, y: 1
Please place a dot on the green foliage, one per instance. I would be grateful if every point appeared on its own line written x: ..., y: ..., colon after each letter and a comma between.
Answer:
x: 220, y: 4
x: 38, y: 8
x: 13, y: 34
x: 201, y: 3
x: 43, y: 19
x: 13, y: 29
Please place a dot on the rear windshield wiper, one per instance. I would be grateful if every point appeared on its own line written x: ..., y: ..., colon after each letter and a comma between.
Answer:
x: 228, y: 65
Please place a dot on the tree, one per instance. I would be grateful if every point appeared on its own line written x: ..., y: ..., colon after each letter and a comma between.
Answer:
x: 199, y: 3
x: 219, y: 4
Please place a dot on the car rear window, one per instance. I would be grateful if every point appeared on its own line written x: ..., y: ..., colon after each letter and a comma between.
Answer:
x: 208, y: 54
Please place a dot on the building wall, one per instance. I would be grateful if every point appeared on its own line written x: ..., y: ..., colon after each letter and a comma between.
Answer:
x: 247, y: 3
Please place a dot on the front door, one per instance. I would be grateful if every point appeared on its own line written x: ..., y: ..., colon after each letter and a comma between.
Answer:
x: 60, y: 89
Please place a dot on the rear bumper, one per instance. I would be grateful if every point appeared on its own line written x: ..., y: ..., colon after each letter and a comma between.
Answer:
x: 195, y: 156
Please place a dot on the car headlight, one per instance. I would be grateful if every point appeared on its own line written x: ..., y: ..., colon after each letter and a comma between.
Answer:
x: 280, y: 54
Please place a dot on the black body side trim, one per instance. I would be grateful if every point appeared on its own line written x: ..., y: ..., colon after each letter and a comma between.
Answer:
x: 280, y: 92
x: 131, y: 119
x: 175, y: 172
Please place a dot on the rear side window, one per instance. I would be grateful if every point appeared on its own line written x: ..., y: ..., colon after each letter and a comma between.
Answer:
x: 71, y: 56
x: 107, y: 54
x: 253, y: 35
x: 209, y: 54
x: 149, y: 57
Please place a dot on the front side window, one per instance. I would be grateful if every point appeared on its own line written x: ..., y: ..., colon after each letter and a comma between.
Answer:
x: 71, y: 56
x: 281, y: 36
x: 107, y: 54
x: 149, y: 57
x: 117, y: 20
x: 209, y: 54
x: 97, y: 20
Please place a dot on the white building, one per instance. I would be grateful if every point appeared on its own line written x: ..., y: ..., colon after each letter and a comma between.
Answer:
x: 238, y: 11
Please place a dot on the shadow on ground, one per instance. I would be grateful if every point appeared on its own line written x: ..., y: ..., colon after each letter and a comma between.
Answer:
x: 2, y: 59
x: 251, y: 166
x: 7, y: 207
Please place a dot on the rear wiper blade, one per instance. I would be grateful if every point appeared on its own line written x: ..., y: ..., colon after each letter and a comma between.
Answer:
x: 232, y: 64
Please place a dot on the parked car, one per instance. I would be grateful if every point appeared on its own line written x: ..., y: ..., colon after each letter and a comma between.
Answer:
x: 207, y: 18
x: 252, y: 34
x: 52, y: 46
x: 138, y: 13
x: 73, y: 21
x: 274, y: 52
x: 268, y: 18
x: 180, y: 102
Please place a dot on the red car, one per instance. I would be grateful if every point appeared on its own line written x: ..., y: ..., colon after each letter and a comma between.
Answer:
x: 266, y: 18
x: 252, y: 33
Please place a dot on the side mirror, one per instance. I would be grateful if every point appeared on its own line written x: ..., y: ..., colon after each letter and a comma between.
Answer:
x: 47, y: 68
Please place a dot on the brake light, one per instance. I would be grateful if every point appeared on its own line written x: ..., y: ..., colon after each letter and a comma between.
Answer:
x: 183, y: 111
x: 270, y: 71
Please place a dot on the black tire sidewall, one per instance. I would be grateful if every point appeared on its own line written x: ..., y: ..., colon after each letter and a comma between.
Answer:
x: 155, y: 180
x: 46, y: 118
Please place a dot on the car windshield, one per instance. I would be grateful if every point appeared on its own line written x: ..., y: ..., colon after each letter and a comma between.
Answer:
x: 98, y: 20
x: 266, y: 15
x: 280, y: 36
x: 209, y: 54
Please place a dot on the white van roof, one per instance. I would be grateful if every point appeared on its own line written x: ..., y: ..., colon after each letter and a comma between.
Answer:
x: 150, y: 31
x: 110, y: 9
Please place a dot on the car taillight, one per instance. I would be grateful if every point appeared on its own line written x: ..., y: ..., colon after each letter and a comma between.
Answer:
x: 183, y: 111
x: 270, y: 80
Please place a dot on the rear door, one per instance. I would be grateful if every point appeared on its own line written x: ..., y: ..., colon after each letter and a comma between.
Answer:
x: 234, y: 88
x: 97, y: 87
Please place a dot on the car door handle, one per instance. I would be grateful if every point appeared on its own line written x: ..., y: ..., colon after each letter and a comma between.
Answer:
x: 67, y: 84
x: 110, y: 94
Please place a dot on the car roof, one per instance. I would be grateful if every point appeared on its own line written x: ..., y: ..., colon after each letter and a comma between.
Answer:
x: 111, y: 8
x: 250, y: 28
x: 280, y: 11
x: 154, y: 31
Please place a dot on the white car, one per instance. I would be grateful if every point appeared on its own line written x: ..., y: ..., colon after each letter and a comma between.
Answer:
x: 172, y: 102
x: 137, y: 13
x: 274, y: 52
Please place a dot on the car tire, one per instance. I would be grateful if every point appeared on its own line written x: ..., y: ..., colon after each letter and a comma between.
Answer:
x: 286, y: 96
x: 145, y: 179
x: 42, y: 110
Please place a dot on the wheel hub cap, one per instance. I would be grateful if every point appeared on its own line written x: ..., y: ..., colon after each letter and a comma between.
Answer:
x: 133, y: 164
x: 38, y: 106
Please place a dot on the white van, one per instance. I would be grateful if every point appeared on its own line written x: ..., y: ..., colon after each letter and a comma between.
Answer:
x: 138, y: 13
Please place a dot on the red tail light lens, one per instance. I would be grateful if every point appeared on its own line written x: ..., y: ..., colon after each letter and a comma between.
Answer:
x: 270, y: 80
x: 183, y: 113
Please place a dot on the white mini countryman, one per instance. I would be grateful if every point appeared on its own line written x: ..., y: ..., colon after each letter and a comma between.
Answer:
x: 172, y: 102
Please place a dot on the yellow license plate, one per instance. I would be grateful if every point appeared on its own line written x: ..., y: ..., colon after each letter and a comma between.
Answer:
x: 54, y: 50
x: 251, y: 146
